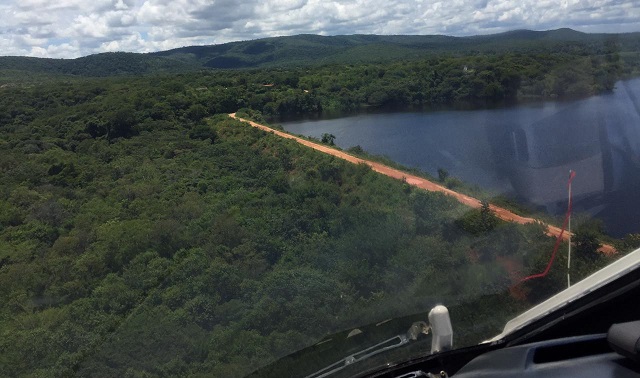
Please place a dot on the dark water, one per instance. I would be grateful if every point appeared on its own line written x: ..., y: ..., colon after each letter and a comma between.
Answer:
x: 525, y: 151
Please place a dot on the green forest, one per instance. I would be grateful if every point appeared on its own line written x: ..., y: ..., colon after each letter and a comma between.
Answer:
x: 307, y: 50
x: 144, y: 233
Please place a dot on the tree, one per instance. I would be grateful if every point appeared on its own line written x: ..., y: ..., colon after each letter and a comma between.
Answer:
x: 328, y: 139
x: 442, y: 174
x: 121, y: 124
x: 586, y: 239
x: 478, y: 222
x: 94, y: 128
x: 160, y: 110
x: 196, y: 112
x: 203, y: 132
x: 630, y: 243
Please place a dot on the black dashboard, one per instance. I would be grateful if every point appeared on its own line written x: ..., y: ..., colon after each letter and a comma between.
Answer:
x: 595, y: 336
x: 581, y: 356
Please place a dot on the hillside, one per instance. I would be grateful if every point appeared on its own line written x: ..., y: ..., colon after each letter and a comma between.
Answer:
x: 105, y: 64
x: 306, y: 50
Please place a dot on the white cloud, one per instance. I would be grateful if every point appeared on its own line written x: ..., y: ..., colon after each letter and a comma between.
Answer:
x: 70, y: 28
x: 92, y: 26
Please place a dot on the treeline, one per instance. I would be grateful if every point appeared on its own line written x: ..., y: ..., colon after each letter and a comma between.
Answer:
x: 471, y: 81
x: 97, y: 65
x: 459, y: 81
x: 444, y: 81
x: 141, y: 234
x: 310, y: 51
x: 439, y: 82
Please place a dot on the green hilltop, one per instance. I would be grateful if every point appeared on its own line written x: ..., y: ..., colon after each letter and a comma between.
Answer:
x: 310, y: 50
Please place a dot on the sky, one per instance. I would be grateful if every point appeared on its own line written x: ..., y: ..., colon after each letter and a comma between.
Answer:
x: 73, y: 28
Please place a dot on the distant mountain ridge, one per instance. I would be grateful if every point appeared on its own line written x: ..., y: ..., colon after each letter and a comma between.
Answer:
x: 309, y: 49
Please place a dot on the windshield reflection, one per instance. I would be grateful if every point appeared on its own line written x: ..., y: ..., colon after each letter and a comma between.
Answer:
x: 597, y: 138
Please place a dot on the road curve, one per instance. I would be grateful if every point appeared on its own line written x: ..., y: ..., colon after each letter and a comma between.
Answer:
x: 418, y: 182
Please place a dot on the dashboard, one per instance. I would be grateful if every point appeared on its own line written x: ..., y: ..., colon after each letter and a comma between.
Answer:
x: 581, y: 356
x: 597, y: 335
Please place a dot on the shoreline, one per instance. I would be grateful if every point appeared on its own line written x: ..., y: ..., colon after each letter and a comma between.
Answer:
x: 419, y: 182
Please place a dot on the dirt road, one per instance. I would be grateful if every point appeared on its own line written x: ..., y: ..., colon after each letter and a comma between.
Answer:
x: 418, y: 182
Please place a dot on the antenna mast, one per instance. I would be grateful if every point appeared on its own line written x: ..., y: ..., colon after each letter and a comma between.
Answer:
x: 572, y: 174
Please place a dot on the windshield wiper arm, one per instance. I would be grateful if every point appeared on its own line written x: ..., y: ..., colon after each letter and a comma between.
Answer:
x: 441, y: 340
x: 391, y: 343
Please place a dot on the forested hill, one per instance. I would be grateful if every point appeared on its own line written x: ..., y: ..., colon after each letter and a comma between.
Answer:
x: 98, y: 65
x: 304, y: 50
x: 315, y: 49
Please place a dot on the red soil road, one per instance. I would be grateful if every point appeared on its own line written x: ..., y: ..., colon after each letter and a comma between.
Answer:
x: 418, y: 182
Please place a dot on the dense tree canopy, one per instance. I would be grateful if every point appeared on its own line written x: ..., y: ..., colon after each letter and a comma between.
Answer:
x: 145, y: 233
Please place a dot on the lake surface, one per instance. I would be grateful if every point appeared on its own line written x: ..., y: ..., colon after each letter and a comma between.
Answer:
x: 524, y: 151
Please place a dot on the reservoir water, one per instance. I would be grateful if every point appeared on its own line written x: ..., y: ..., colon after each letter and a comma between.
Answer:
x: 524, y: 152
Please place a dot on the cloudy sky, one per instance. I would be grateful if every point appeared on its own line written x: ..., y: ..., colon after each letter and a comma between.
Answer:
x: 72, y: 28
